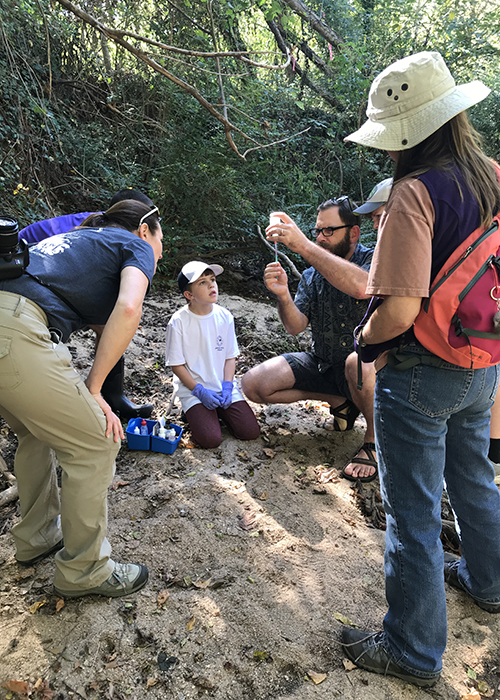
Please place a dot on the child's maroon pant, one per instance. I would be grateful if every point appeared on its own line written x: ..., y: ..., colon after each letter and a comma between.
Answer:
x: 205, y: 426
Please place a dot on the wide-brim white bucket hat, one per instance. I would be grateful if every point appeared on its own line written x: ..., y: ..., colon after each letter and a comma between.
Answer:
x: 411, y: 99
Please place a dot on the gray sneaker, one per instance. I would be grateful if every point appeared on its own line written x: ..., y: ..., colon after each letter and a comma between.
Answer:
x: 367, y: 651
x: 451, y: 564
x: 125, y: 579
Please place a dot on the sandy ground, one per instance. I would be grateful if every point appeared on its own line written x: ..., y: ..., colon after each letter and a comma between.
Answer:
x: 254, y: 564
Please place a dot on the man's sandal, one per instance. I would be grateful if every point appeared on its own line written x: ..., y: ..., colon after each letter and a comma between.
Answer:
x: 344, y: 417
x: 369, y: 448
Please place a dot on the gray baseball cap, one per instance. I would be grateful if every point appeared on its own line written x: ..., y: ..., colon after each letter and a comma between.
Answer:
x: 378, y: 196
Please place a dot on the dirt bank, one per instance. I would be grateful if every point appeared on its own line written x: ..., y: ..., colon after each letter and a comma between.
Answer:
x: 253, y: 564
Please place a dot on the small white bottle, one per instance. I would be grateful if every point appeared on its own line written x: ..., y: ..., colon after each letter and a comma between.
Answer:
x: 162, y: 433
x: 171, y: 435
x: 137, y: 430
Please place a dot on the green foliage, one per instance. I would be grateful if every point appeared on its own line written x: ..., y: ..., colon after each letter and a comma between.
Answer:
x: 72, y: 132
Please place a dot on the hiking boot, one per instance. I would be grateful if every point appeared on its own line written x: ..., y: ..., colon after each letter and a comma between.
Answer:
x: 30, y: 562
x: 451, y: 564
x: 125, y: 579
x: 367, y: 651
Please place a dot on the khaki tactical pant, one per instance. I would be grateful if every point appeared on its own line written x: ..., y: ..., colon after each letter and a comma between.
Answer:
x: 48, y: 406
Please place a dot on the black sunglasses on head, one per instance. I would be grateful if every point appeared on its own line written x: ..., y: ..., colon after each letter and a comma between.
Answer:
x: 342, y: 200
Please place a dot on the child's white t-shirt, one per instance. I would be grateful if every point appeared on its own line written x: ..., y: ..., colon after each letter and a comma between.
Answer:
x: 203, y: 344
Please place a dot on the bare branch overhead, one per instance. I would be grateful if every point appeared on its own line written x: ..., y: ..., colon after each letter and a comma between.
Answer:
x: 316, y: 23
x: 117, y: 36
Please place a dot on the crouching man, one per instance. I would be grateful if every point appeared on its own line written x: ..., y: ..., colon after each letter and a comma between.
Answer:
x: 331, y: 298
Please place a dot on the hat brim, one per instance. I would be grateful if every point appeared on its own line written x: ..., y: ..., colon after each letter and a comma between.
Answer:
x: 368, y: 207
x: 183, y: 281
x: 216, y: 269
x: 407, y: 130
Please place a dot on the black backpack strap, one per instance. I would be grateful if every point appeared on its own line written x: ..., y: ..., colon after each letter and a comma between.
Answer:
x: 480, y: 334
x: 402, y: 362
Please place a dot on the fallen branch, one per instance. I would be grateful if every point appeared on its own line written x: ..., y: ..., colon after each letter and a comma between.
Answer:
x: 9, y: 495
x: 5, y: 472
x: 281, y: 255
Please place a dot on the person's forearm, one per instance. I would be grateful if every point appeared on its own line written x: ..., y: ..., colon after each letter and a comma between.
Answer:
x: 293, y: 320
x: 395, y: 316
x: 229, y: 369
x: 120, y: 326
x: 185, y: 376
x: 342, y: 274
x: 114, y: 340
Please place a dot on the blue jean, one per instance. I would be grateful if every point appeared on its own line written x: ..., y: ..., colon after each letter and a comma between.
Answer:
x: 432, y: 424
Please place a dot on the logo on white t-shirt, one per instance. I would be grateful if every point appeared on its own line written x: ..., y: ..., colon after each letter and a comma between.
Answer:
x: 220, y: 346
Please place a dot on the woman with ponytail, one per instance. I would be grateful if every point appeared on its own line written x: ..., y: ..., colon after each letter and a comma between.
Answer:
x: 94, y: 276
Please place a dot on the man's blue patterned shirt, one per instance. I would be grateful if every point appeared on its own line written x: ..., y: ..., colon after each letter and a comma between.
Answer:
x: 332, y: 314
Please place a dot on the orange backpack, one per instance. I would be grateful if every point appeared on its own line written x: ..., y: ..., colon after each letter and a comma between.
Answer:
x: 460, y: 320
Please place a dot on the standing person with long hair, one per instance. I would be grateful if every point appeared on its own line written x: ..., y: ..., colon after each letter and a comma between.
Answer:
x: 92, y: 276
x: 431, y: 421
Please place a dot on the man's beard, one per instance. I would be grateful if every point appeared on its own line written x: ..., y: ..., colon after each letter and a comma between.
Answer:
x: 341, y: 248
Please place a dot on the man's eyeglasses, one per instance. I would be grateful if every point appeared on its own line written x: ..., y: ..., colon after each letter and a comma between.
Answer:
x: 149, y: 214
x: 330, y: 230
x: 327, y: 231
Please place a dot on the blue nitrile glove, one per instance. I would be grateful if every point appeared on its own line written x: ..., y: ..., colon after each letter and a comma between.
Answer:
x: 227, y: 394
x: 209, y: 398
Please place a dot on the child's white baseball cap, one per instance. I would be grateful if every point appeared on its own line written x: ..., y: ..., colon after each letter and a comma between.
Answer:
x: 193, y: 270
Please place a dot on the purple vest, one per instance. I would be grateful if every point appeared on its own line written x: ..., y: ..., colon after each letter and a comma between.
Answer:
x: 456, y: 217
x: 456, y: 213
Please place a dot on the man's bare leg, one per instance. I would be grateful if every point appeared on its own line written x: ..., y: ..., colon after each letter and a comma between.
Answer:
x: 272, y: 382
x: 364, y: 401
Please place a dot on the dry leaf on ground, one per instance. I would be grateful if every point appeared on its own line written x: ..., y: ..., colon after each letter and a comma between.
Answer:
x: 326, y: 475
x: 162, y: 597
x: 345, y: 620
x: 348, y: 665
x: 20, y: 687
x: 43, y: 689
x: 473, y: 695
x: 33, y: 608
x: 190, y: 624
x: 202, y: 584
x: 316, y: 678
x: 117, y: 484
x: 247, y: 521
